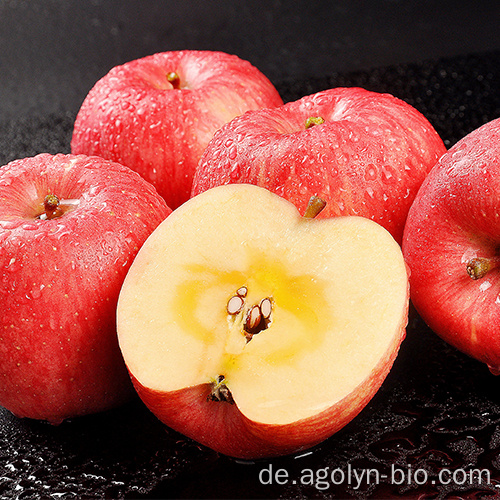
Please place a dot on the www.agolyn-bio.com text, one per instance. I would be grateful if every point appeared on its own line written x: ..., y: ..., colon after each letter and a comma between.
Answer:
x: 327, y: 477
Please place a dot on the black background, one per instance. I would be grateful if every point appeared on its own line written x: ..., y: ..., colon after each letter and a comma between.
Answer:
x: 438, y: 408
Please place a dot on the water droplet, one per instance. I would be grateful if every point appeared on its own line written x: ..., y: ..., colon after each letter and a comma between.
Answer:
x: 370, y: 172
x: 233, y: 152
x: 235, y: 172
x: 30, y: 226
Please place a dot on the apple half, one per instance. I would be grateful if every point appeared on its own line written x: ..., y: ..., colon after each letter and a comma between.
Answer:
x: 257, y: 331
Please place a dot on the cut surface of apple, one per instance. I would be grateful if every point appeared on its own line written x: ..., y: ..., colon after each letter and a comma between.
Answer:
x: 241, y: 303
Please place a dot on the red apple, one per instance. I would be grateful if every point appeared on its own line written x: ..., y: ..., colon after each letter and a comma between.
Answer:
x: 70, y: 227
x: 452, y: 245
x: 363, y: 152
x: 157, y: 114
x: 257, y: 331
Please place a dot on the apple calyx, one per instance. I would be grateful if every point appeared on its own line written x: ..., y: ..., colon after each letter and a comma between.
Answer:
x: 314, y: 120
x: 478, y: 267
x: 220, y: 391
x: 174, y: 80
x: 314, y: 206
x: 53, y: 207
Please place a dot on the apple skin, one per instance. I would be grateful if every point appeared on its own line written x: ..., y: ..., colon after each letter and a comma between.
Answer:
x: 368, y: 158
x: 60, y: 279
x: 455, y: 217
x: 215, y: 425
x: 135, y: 116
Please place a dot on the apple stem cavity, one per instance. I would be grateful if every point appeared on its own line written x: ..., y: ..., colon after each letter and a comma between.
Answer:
x: 314, y: 120
x: 314, y: 207
x: 174, y: 80
x: 220, y: 391
x: 53, y: 207
x: 478, y: 267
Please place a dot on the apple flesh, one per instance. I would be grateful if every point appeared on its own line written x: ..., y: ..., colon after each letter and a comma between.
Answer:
x: 70, y: 227
x: 363, y: 152
x: 257, y: 331
x: 452, y: 245
x: 157, y: 114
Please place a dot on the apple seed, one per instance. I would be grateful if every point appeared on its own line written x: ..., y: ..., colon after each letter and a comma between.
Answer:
x: 266, y: 308
x: 220, y: 391
x: 235, y: 304
x: 242, y: 291
x: 253, y: 319
x: 314, y: 120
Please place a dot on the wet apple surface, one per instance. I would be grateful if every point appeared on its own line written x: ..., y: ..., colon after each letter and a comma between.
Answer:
x: 365, y: 153
x: 454, y: 279
x: 67, y: 236
x: 156, y: 114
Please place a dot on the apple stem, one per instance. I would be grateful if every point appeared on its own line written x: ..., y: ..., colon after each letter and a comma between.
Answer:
x: 314, y: 207
x: 478, y: 267
x: 51, y: 206
x: 54, y: 207
x: 174, y: 80
x: 314, y: 120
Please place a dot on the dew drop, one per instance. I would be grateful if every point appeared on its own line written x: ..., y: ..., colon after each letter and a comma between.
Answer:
x: 235, y: 172
x: 371, y: 172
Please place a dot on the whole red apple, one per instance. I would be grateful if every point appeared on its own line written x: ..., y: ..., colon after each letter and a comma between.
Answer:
x: 258, y: 331
x: 452, y: 245
x: 363, y: 152
x: 157, y: 114
x: 70, y: 227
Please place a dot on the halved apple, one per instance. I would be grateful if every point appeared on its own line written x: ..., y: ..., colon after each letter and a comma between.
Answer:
x: 257, y: 331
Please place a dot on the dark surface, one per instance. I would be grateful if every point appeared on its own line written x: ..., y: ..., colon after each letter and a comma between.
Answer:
x: 437, y: 409
x: 53, y: 51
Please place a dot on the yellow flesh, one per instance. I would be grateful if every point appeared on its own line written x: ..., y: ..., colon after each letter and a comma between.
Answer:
x: 339, y: 292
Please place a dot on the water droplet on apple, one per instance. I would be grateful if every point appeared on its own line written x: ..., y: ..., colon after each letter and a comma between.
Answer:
x: 370, y: 172
x: 235, y: 172
x: 9, y: 224
x: 233, y: 152
x: 14, y: 265
x: 30, y: 226
x: 36, y: 293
